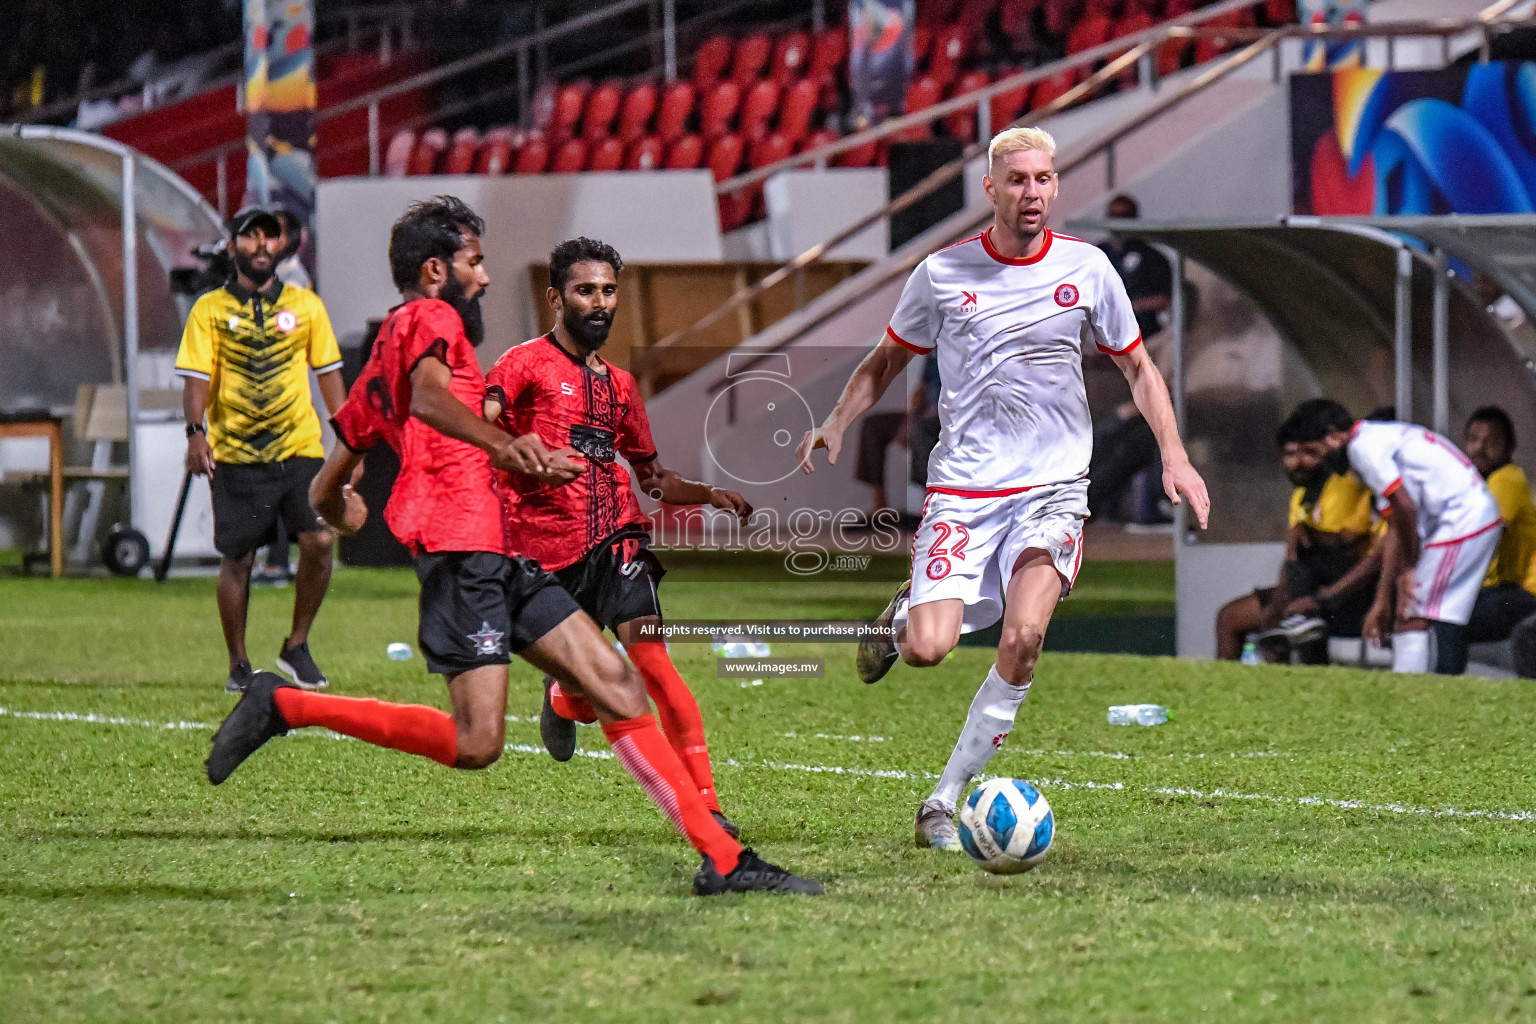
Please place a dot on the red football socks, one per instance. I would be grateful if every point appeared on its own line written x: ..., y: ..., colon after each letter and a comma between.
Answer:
x: 644, y: 753
x: 413, y: 728
x: 679, y: 714
x: 570, y: 707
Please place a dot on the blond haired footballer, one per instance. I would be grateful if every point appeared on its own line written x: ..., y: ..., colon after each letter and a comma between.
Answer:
x: 1007, y: 313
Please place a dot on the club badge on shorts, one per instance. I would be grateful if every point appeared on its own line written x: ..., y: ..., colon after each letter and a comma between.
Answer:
x: 938, y: 567
x: 487, y: 641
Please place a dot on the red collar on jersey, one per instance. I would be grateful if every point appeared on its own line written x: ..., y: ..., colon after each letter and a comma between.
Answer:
x: 986, y: 243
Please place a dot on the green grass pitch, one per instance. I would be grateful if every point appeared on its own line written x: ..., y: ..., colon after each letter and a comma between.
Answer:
x: 1273, y: 853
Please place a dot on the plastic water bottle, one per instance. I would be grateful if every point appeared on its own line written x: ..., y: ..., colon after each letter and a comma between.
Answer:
x: 1137, y: 714
x: 1250, y: 654
x: 398, y: 651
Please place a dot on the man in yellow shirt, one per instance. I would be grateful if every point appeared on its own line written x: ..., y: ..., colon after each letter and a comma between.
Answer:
x: 1509, y: 589
x: 245, y: 359
x: 1328, y: 576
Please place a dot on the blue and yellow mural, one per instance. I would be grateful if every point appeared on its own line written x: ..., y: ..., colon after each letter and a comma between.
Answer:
x: 280, y: 98
x: 1455, y: 140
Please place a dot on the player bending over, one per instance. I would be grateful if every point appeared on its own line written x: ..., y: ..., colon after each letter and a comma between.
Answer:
x: 480, y: 602
x: 1444, y: 528
x: 1006, y: 313
x: 590, y: 531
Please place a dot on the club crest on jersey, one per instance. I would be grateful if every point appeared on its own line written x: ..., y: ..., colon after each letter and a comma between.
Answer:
x: 938, y: 568
x: 967, y: 302
x: 487, y: 641
x: 1066, y: 295
x: 286, y: 321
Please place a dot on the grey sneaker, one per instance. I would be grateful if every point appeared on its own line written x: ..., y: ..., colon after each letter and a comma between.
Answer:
x: 877, y: 651
x: 297, y: 664
x: 936, y: 827
x: 1295, y: 631
x: 239, y: 678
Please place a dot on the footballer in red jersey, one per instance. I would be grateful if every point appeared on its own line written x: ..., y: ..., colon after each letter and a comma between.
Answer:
x: 589, y: 530
x: 480, y: 601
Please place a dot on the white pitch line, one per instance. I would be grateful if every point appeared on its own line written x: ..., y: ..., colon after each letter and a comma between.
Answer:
x: 89, y: 718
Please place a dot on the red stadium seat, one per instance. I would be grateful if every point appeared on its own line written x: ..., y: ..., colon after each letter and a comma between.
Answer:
x: 635, y: 115
x: 1280, y: 12
x: 676, y: 106
x: 686, y: 153
x: 796, y: 108
x: 495, y: 155
x: 461, y: 152
x: 1132, y: 23
x: 735, y: 209
x: 429, y: 150
x: 770, y: 149
x: 973, y: 15
x: 645, y: 154
x: 570, y: 158
x: 1007, y: 106
x: 602, y: 108
x: 866, y: 154
x: 606, y: 155
x: 922, y: 40
x: 725, y: 155
x: 566, y: 112
x: 710, y: 59
x: 718, y: 109
x: 962, y: 123
x: 937, y: 12
x: 1091, y: 30
x: 1052, y: 88
x: 951, y: 45
x: 1211, y: 47
x: 828, y: 52
x: 398, y: 156
x: 750, y: 57
x: 791, y: 57
x: 1014, y: 17
x: 532, y: 156
x: 923, y: 93
x: 816, y: 140
x: 761, y: 103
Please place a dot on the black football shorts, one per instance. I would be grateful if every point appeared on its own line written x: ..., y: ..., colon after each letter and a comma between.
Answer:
x: 616, y: 581
x: 249, y: 499
x: 479, y: 608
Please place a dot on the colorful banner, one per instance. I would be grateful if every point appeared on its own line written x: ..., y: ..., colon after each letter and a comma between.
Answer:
x: 280, y: 100
x: 1334, y: 55
x: 1456, y: 140
x: 880, y: 59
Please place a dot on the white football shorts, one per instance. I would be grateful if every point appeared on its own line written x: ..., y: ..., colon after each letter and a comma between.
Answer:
x: 1449, y: 574
x: 965, y: 547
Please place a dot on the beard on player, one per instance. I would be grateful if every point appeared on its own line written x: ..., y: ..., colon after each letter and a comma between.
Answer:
x: 257, y: 267
x: 456, y: 295
x: 589, y: 330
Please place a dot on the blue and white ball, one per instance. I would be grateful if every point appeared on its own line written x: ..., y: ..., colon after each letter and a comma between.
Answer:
x: 1006, y: 826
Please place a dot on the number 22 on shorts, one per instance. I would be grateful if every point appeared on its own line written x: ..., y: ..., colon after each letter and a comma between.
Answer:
x: 939, y: 555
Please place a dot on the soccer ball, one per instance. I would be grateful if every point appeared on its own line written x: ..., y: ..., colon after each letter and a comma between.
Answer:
x: 1006, y: 826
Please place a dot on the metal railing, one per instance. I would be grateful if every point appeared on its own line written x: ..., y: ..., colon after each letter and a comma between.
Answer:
x: 388, y: 26
x: 1103, y: 143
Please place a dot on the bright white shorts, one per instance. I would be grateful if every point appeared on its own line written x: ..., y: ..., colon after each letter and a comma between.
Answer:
x: 1449, y: 575
x: 965, y: 548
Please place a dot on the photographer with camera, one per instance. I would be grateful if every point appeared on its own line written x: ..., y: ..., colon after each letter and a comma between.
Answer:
x: 245, y: 359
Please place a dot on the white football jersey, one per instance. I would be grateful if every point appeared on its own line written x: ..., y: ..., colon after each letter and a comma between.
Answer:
x: 1452, y: 500
x: 1009, y: 335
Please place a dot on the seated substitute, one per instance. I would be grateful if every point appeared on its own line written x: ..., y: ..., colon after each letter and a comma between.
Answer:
x: 1508, y: 594
x: 1329, y: 576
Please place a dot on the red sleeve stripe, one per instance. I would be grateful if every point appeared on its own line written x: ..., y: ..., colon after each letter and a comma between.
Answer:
x: 1121, y: 352
x: 1391, y: 488
x: 904, y: 343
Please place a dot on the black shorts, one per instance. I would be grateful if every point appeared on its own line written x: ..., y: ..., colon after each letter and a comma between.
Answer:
x: 616, y: 581
x: 479, y: 608
x: 250, y: 498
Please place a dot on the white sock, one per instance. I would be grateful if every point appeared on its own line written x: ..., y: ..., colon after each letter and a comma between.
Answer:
x: 987, y: 724
x: 1411, y: 651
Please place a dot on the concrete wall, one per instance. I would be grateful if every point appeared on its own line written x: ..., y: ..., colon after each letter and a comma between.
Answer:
x: 656, y: 217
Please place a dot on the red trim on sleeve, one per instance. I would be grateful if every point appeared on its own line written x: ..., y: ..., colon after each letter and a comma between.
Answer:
x: 904, y: 343
x: 1391, y: 488
x: 1355, y: 429
x: 986, y: 243
x: 1124, y: 351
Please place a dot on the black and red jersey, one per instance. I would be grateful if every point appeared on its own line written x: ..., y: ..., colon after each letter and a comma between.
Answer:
x: 444, y: 498
x: 544, y: 389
